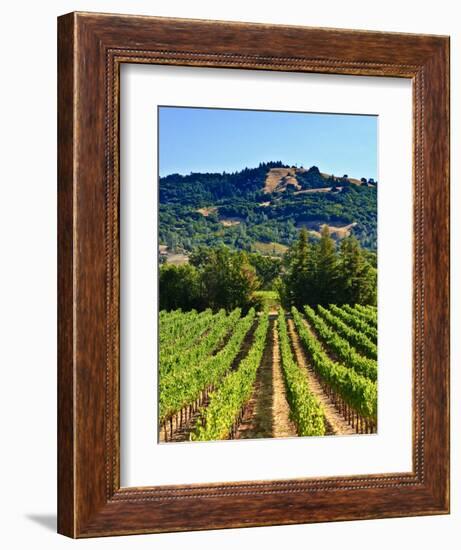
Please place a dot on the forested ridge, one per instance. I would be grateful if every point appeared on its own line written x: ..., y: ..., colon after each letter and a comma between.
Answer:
x: 239, y: 210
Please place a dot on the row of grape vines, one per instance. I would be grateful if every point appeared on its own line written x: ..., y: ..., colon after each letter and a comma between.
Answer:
x: 173, y: 363
x: 360, y: 341
x: 306, y: 411
x: 209, y: 364
x: 367, y: 313
x: 355, y: 321
x: 341, y: 347
x: 225, y: 411
x: 356, y: 391
x: 185, y: 387
x: 191, y: 332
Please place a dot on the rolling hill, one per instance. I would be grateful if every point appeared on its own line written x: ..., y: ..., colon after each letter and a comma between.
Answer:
x: 263, y: 208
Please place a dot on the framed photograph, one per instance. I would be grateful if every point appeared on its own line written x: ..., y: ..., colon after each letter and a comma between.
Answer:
x: 253, y: 275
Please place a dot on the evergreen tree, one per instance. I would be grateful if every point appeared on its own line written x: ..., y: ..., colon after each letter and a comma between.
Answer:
x: 300, y: 261
x: 327, y: 269
x: 358, y: 278
x: 369, y: 286
x: 318, y: 274
x: 350, y: 266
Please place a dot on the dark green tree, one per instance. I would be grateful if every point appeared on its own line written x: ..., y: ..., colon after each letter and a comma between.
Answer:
x: 327, y: 276
x: 358, y: 278
x: 267, y: 269
x: 200, y: 257
x: 214, y: 278
x: 299, y: 281
x: 228, y: 280
x: 317, y: 273
x: 179, y: 287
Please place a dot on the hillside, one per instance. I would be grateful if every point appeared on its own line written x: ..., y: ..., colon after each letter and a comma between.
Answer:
x: 264, y: 208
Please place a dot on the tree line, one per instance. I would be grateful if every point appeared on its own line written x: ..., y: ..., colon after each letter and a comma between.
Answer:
x: 322, y: 273
x: 312, y: 272
x: 214, y: 278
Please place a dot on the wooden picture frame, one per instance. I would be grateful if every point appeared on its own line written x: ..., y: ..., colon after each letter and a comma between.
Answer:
x: 91, y: 49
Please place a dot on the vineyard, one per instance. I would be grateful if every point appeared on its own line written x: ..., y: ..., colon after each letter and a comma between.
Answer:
x: 304, y: 372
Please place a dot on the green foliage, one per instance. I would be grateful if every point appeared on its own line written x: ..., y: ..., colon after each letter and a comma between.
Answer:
x: 353, y: 319
x: 180, y: 287
x: 230, y: 259
x: 327, y: 274
x: 312, y: 179
x: 186, y: 354
x: 318, y: 273
x: 358, y: 277
x: 305, y: 410
x: 341, y: 347
x: 228, y: 400
x: 228, y: 280
x: 268, y: 299
x: 185, y: 337
x: 368, y: 313
x: 356, y: 390
x: 301, y: 267
x: 267, y: 269
x: 198, y: 351
x: 357, y: 339
x: 172, y: 324
x: 200, y: 188
x: 215, y: 278
x: 180, y: 385
x: 240, y: 195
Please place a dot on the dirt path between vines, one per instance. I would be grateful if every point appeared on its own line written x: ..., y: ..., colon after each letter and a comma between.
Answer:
x: 267, y: 412
x: 283, y: 425
x: 257, y: 418
x: 336, y: 424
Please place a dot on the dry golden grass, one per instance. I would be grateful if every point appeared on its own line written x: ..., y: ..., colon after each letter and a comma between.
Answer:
x: 341, y: 232
x: 337, y: 231
x: 277, y: 179
x: 177, y: 259
x: 319, y: 190
x: 230, y: 222
x: 207, y: 210
x: 270, y: 249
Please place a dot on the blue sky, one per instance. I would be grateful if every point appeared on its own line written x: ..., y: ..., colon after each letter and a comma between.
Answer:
x: 218, y: 140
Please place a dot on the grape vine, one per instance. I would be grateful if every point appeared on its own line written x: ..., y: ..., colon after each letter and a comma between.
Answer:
x: 306, y: 411
x: 356, y: 390
x: 227, y: 402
